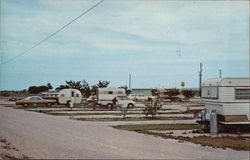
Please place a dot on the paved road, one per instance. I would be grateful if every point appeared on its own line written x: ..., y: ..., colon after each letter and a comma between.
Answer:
x: 44, y: 136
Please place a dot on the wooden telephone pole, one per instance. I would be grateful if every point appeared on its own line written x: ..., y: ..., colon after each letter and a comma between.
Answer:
x: 220, y: 73
x: 200, y: 78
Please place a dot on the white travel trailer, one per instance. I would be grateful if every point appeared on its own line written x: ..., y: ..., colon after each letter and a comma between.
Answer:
x: 65, y: 96
x: 105, y: 96
x: 228, y: 98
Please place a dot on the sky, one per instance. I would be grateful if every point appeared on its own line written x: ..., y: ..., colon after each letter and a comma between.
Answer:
x: 160, y: 43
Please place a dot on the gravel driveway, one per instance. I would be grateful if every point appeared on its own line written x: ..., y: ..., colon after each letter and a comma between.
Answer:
x: 44, y: 136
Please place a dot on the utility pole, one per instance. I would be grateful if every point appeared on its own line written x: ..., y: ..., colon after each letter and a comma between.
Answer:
x: 200, y: 78
x: 220, y: 73
x: 129, y: 81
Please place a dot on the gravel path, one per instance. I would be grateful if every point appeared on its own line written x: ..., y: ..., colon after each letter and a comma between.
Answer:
x: 44, y: 136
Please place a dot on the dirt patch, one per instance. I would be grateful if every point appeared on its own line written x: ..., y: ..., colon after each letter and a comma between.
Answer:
x: 237, y: 143
x: 146, y: 127
x: 8, y: 151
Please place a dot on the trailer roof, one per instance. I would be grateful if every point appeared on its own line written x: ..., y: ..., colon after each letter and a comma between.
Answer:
x: 111, y: 89
x: 227, y: 82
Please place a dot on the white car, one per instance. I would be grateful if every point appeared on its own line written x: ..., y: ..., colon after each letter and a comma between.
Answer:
x: 140, y: 97
x: 125, y: 101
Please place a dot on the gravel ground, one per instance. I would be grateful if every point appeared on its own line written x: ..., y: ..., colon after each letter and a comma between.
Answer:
x: 44, y: 136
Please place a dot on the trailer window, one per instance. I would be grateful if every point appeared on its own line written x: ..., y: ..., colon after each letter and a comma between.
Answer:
x: 210, y: 92
x: 242, y: 94
x: 107, y: 92
x: 120, y: 92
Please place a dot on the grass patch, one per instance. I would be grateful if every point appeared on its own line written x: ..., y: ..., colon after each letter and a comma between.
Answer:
x: 77, y: 114
x: 55, y: 113
x: 237, y: 143
x: 145, y: 127
x: 133, y: 119
x: 170, y: 112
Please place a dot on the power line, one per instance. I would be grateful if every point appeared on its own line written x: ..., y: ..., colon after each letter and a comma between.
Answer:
x: 52, y: 34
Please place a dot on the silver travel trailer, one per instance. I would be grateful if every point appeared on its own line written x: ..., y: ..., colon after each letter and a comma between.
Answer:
x: 227, y: 100
x: 65, y: 96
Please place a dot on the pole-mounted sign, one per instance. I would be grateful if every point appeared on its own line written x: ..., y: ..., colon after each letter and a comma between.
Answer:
x: 182, y: 84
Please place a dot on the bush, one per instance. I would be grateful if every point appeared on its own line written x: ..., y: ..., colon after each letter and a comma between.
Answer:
x: 172, y: 92
x: 188, y: 93
x: 152, y: 108
x: 5, y: 93
x: 37, y: 89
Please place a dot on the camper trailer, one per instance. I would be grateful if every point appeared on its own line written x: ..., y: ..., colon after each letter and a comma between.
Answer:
x: 49, y: 95
x: 66, y: 96
x: 105, y: 96
x: 228, y: 99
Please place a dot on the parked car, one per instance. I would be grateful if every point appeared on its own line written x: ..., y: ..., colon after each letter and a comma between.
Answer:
x: 175, y: 99
x: 35, y: 100
x: 89, y: 100
x: 124, y: 101
x: 106, y: 95
x: 140, y: 97
x: 14, y: 98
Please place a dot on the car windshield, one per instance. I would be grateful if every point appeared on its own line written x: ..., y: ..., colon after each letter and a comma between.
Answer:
x: 137, y: 95
x: 33, y: 98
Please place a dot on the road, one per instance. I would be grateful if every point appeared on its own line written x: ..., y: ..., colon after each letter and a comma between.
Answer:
x: 42, y: 136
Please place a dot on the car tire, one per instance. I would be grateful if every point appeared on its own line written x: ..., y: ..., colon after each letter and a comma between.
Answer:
x: 110, y: 105
x: 130, y: 105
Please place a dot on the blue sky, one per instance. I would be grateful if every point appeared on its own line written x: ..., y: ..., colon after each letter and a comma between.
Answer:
x: 160, y: 43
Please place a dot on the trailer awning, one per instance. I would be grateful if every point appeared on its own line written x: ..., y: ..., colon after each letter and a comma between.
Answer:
x: 222, y: 122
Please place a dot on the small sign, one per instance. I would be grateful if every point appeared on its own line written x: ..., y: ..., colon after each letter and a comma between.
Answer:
x: 182, y: 84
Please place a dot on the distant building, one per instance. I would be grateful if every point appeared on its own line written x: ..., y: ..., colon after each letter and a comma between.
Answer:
x: 162, y: 92
x: 144, y: 91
